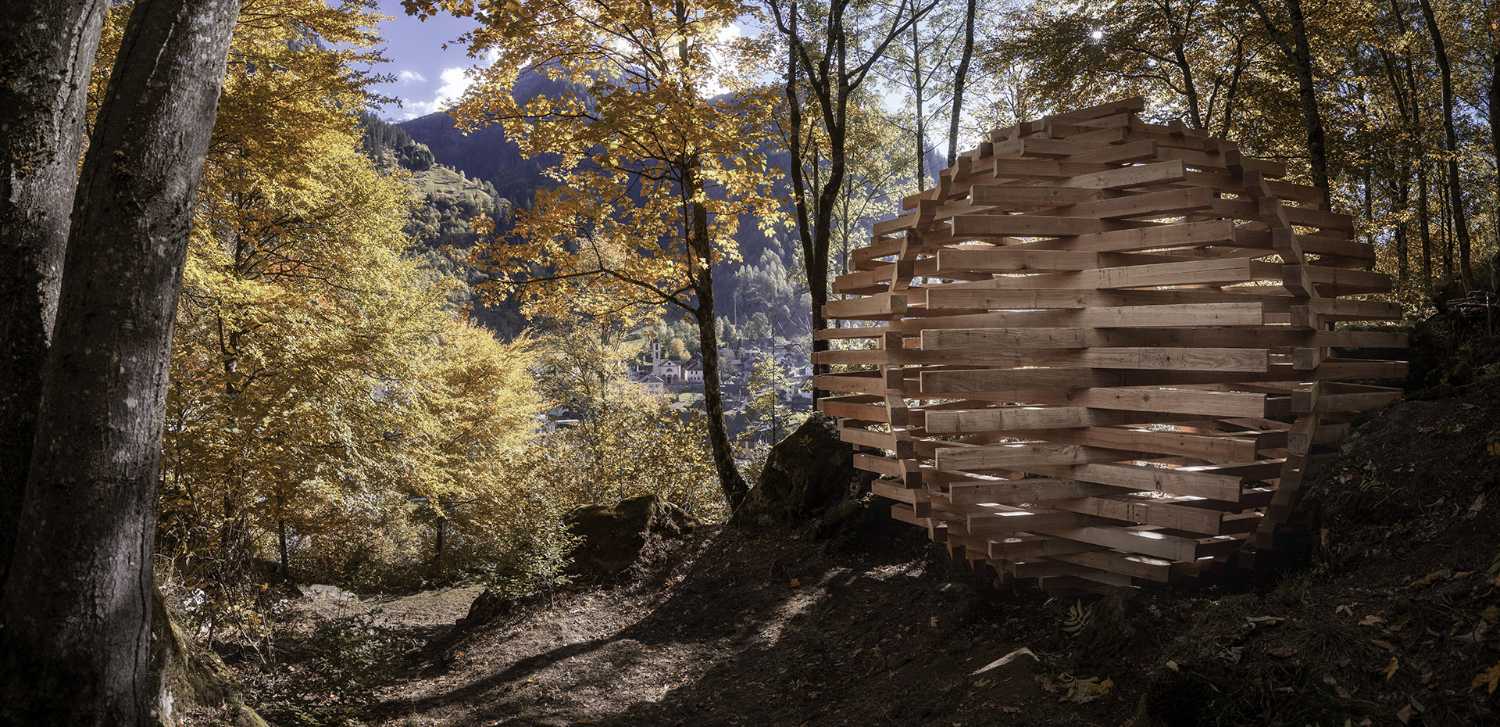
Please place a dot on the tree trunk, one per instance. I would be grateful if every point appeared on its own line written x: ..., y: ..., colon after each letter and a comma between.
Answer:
x: 285, y: 565
x: 1494, y: 119
x: 960, y: 77
x: 1234, y: 86
x: 77, y: 605
x: 1418, y: 150
x: 1424, y: 223
x: 730, y: 481
x: 1450, y: 139
x: 439, y: 546
x: 46, y: 56
x: 1297, y: 51
x: 916, y: 64
x: 1179, y: 57
x: 1307, y: 92
x: 1445, y: 211
x: 1403, y: 200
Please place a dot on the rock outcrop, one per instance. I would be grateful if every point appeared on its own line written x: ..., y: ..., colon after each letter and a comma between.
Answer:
x: 808, y: 474
x: 611, y: 537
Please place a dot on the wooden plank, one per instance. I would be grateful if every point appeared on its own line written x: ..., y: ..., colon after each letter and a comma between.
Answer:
x: 861, y: 410
x: 1024, y: 546
x: 1135, y: 566
x: 1132, y: 176
x: 1213, y: 485
x: 1014, y: 346
x: 867, y: 438
x: 995, y: 380
x: 1127, y: 316
x: 1011, y: 456
x: 1006, y: 419
x: 874, y: 307
x: 1197, y: 446
x: 1125, y: 105
x: 1001, y: 339
x: 1022, y: 226
x: 1173, y: 401
x: 1196, y: 272
x: 852, y: 383
x: 879, y: 465
x: 1020, y: 492
x: 1163, y: 203
x: 1147, y: 511
x: 1154, y: 237
x: 1146, y: 541
x: 1013, y: 521
x: 1016, y: 198
x: 1004, y: 260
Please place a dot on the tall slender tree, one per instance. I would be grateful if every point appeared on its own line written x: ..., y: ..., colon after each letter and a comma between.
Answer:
x: 960, y: 79
x: 656, y: 167
x: 1292, y: 40
x: 832, y: 72
x: 75, y: 647
x: 1458, y: 215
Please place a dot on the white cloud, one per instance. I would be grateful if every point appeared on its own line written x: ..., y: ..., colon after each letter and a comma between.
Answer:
x: 409, y: 76
x: 718, y: 52
x: 452, y: 83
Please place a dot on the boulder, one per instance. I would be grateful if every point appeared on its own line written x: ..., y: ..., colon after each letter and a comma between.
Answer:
x: 611, y: 537
x: 806, y: 474
x: 487, y: 606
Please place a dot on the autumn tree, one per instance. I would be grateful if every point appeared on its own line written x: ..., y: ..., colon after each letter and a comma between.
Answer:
x: 656, y: 167
x: 1189, y: 56
x: 1456, y: 199
x: 767, y: 382
x: 616, y: 440
x: 77, y: 603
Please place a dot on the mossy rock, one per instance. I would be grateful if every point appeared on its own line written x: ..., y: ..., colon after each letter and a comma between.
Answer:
x: 806, y: 474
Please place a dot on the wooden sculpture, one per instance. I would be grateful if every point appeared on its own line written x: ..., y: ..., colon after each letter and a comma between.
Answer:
x: 1102, y: 351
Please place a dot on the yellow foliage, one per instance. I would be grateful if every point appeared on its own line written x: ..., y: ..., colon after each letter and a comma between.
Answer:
x: 654, y: 169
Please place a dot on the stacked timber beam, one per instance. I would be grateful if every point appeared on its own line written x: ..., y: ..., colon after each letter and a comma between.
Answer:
x: 1103, y: 352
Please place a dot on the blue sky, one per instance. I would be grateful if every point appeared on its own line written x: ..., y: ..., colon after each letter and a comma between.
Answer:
x: 428, y: 75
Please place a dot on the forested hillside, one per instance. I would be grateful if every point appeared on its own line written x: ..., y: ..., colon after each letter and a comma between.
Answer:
x: 749, y: 361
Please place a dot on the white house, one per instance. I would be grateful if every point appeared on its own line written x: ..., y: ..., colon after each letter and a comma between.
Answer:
x: 692, y: 372
x: 670, y: 371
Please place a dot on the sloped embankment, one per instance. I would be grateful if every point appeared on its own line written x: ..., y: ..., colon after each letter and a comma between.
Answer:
x: 1392, y: 620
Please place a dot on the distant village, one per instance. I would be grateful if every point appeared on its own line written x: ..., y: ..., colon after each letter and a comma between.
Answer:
x: 660, y: 374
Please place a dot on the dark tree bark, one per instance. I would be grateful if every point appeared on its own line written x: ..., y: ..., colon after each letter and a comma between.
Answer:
x: 1294, y: 45
x: 1494, y: 120
x: 1178, y: 30
x: 1404, y: 91
x: 730, y: 480
x: 1459, y: 216
x: 1402, y: 195
x: 46, y: 56
x: 1418, y: 150
x: 960, y: 78
x: 76, y: 643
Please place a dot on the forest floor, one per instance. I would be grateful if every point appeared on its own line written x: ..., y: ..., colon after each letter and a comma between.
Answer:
x: 1389, y: 620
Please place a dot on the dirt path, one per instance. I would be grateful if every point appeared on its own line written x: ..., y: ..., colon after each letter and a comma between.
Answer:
x: 753, y: 631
